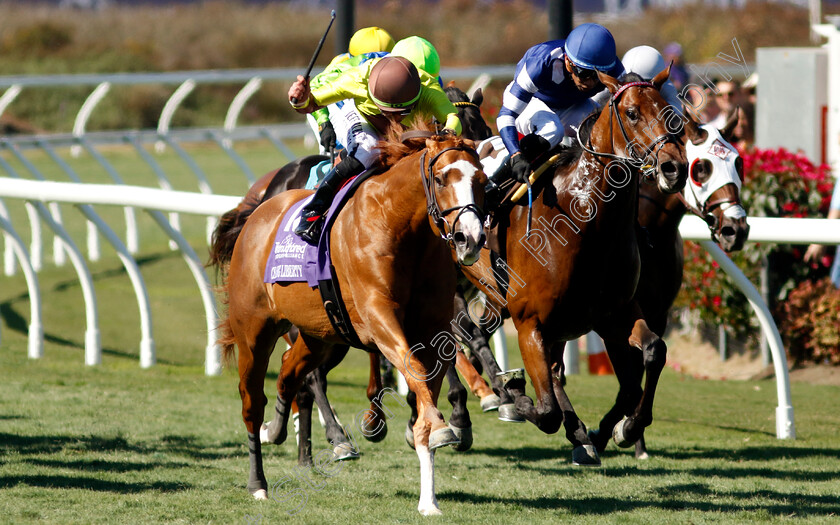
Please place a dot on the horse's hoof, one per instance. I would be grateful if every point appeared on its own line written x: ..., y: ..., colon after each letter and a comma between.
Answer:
x: 344, y: 451
x: 442, y: 437
x: 409, y: 435
x: 264, y: 434
x: 490, y: 403
x: 464, y: 435
x: 619, y: 435
x: 429, y: 511
x: 597, y: 440
x: 585, y: 456
x: 374, y: 437
x: 260, y: 495
x: 507, y: 412
x: 642, y: 456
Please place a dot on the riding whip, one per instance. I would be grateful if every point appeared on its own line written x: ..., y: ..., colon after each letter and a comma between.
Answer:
x: 317, y: 50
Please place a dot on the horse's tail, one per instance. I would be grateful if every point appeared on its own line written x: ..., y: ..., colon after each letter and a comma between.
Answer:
x: 227, y: 231
x: 226, y: 340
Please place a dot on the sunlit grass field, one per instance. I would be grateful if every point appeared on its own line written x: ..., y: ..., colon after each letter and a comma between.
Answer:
x: 118, y: 444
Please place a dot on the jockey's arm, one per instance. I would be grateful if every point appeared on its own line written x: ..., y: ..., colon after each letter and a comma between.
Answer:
x: 433, y: 100
x: 516, y: 97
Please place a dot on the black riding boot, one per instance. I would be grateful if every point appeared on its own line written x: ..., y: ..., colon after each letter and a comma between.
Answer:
x: 312, y: 216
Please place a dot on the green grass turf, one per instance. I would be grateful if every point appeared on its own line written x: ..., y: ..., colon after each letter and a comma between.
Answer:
x: 117, y: 444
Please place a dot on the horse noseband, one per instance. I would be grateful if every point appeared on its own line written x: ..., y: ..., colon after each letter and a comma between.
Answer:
x: 433, y: 208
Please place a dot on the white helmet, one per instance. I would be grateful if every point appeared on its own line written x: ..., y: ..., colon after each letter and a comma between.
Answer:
x: 645, y: 61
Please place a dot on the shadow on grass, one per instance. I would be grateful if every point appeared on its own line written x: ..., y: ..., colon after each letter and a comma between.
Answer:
x: 100, y: 485
x: 693, y: 496
x: 169, y: 444
x: 98, y: 465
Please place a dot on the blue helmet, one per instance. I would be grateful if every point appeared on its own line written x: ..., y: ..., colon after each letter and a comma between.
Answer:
x: 591, y: 46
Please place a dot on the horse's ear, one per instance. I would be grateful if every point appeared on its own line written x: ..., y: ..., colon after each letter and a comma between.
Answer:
x: 478, y: 97
x: 660, y: 79
x: 451, y: 83
x: 729, y: 127
x: 693, y: 131
x: 611, y: 83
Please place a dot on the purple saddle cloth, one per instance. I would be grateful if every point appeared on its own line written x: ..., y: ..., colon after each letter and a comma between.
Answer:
x: 292, y: 259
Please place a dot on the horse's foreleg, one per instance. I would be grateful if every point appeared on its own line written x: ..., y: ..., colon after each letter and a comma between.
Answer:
x: 479, y: 387
x: 654, y: 354
x: 584, y: 452
x: 474, y: 336
x: 459, y: 421
x: 546, y: 415
x: 316, y: 382
x: 627, y: 363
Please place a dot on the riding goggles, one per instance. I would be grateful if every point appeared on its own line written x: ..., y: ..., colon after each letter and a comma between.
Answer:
x: 581, y: 73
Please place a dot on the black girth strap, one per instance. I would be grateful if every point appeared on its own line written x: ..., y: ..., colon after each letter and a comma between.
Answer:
x: 337, y: 312
x: 329, y: 288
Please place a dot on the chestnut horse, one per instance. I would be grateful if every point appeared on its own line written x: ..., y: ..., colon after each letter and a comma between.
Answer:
x: 391, y: 248
x: 713, y: 193
x: 294, y: 175
x: 574, y: 266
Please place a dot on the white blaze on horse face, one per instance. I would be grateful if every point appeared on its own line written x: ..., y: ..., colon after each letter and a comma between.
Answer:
x: 428, y: 505
x: 470, y: 222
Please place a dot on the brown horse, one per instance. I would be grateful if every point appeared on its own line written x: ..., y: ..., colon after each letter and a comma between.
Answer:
x: 715, y: 174
x: 294, y: 175
x: 395, y: 273
x: 574, y: 267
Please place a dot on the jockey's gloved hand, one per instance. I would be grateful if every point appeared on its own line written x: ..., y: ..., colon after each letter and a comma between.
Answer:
x: 328, y: 137
x: 520, y: 168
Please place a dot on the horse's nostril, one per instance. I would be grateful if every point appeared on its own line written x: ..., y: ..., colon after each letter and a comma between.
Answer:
x: 459, y: 238
x: 670, y: 169
x: 482, y: 239
x: 727, y: 231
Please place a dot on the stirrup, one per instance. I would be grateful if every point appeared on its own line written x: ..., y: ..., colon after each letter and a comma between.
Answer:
x: 309, y: 229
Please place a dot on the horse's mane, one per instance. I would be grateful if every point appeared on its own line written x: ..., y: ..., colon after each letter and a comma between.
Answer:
x: 455, y: 94
x: 392, y: 148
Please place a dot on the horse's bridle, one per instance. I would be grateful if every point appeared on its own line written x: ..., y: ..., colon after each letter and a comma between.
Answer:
x: 635, y: 158
x: 705, y: 212
x: 433, y: 208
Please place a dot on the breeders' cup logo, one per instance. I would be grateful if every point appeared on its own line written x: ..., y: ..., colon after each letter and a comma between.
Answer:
x: 288, y: 248
x: 718, y: 149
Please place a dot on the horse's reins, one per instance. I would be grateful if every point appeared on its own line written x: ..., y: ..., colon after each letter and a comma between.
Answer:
x: 433, y: 208
x: 635, y: 158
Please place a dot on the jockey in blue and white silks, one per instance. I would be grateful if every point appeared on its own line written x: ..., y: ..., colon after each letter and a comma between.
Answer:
x: 553, y: 87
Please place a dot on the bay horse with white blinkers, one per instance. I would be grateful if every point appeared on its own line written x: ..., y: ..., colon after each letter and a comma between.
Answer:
x: 395, y: 275
x: 574, y: 266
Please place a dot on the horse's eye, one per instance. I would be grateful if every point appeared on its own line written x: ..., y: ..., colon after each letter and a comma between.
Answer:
x: 632, y: 114
x: 439, y: 181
